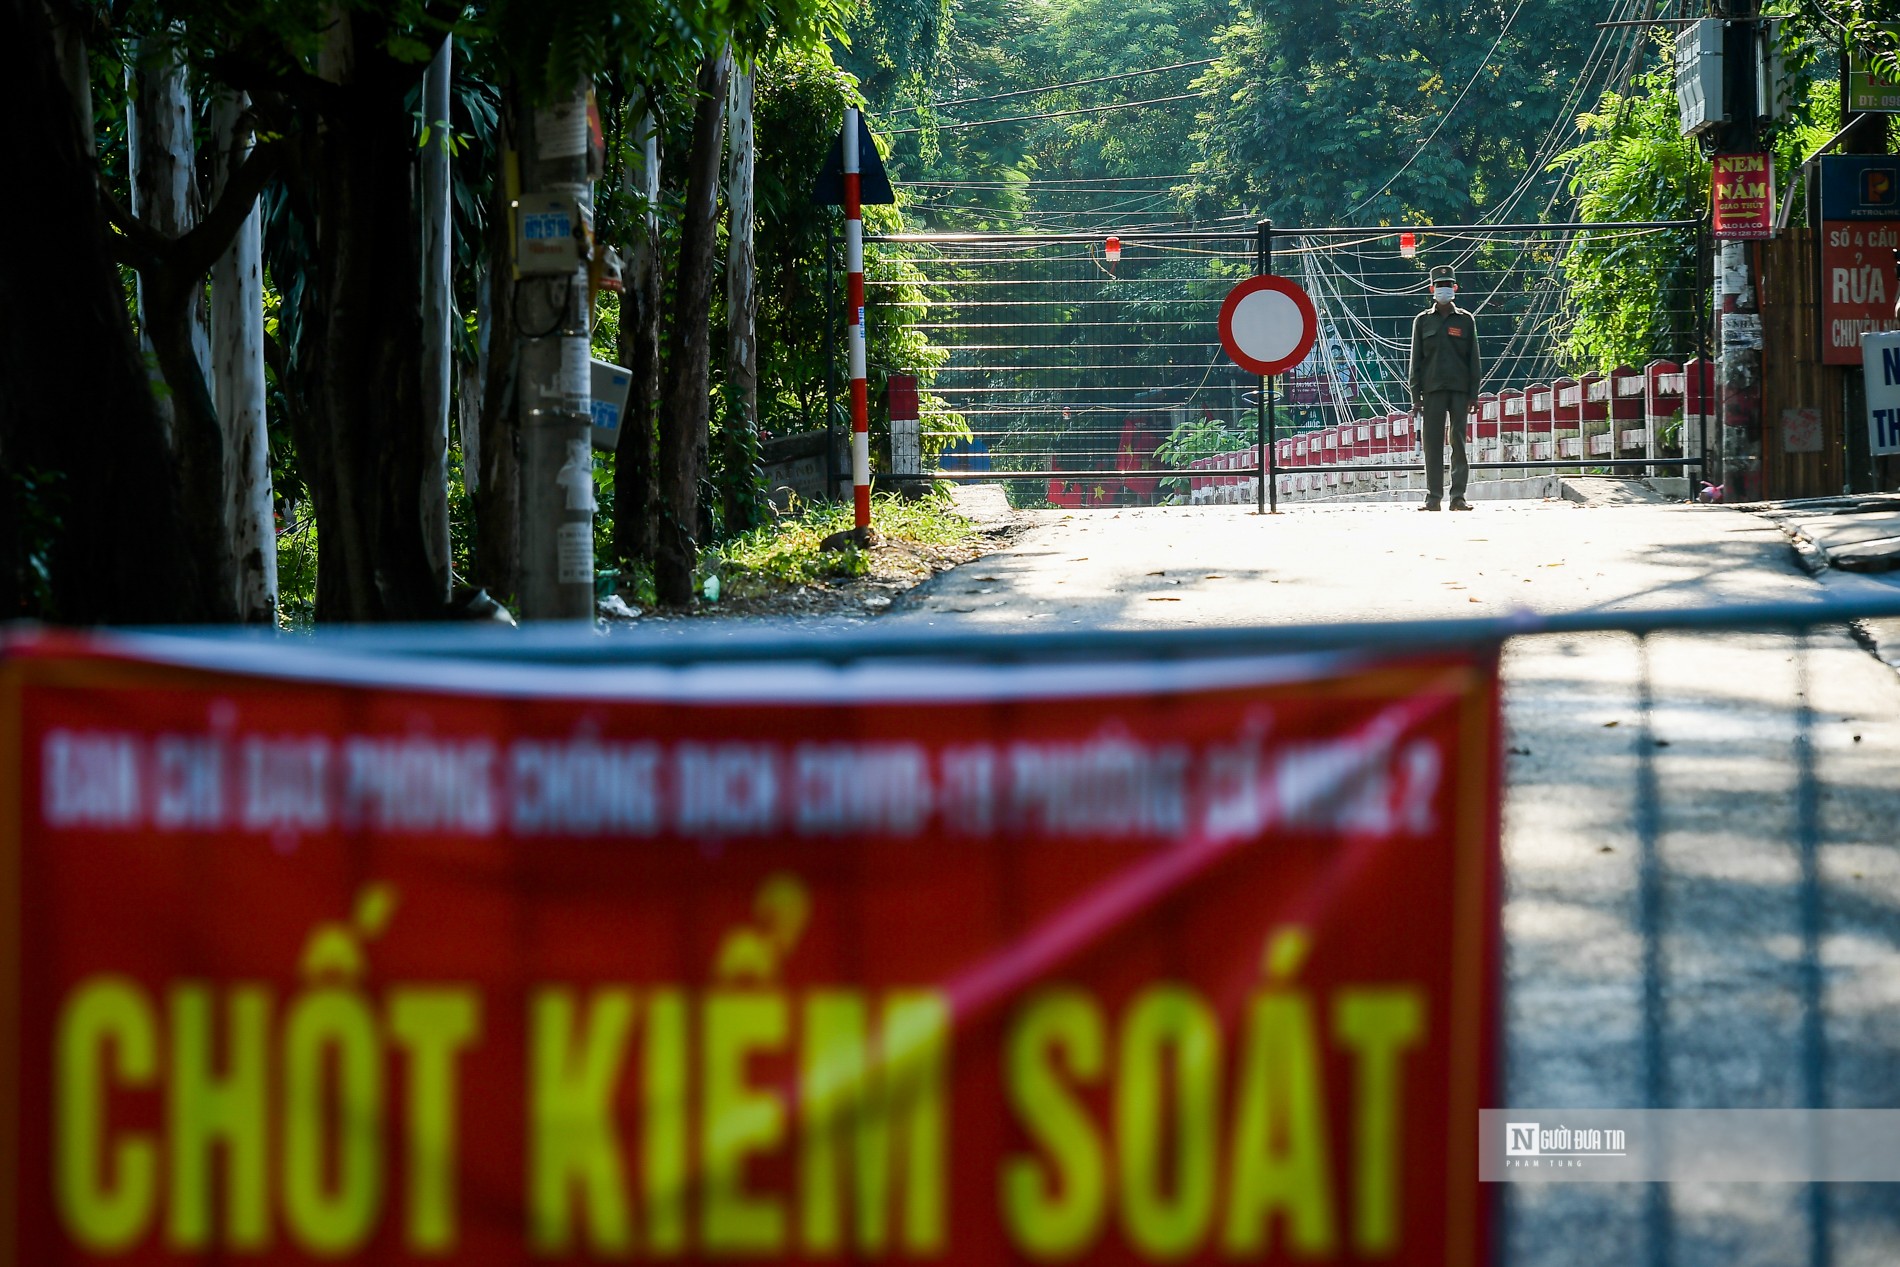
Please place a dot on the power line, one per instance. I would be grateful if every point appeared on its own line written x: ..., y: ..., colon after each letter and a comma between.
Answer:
x: 1554, y: 137
x: 917, y: 192
x: 1052, y: 114
x: 1034, y: 184
x: 1073, y: 83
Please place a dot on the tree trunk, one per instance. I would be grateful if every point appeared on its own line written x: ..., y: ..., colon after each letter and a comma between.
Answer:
x: 161, y: 161
x: 554, y: 389
x: 237, y: 324
x: 172, y: 315
x: 75, y: 69
x: 498, y: 490
x: 741, y: 431
x: 640, y: 352
x: 438, y: 306
x: 359, y: 369
x: 90, y: 523
x: 689, y: 351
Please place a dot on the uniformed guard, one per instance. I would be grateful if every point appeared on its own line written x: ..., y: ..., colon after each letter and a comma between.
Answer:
x: 1445, y: 375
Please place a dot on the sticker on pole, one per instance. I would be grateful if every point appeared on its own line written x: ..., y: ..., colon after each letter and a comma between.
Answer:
x: 1268, y: 325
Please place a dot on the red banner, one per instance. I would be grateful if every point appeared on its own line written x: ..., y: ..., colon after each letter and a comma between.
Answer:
x: 1119, y: 963
x: 1857, y: 285
x: 1744, y: 196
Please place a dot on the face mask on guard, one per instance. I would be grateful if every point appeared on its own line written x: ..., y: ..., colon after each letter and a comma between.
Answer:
x: 1444, y: 294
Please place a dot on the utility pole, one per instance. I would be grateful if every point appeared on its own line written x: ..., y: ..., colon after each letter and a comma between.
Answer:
x: 854, y: 316
x: 1738, y: 369
x: 1863, y: 133
x: 1266, y: 495
x: 551, y: 321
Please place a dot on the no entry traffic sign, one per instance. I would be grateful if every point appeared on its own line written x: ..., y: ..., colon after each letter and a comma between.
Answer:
x: 1268, y: 325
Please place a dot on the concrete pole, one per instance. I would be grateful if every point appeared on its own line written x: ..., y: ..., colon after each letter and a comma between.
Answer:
x: 551, y: 320
x: 1738, y: 372
x: 854, y: 315
x: 438, y: 306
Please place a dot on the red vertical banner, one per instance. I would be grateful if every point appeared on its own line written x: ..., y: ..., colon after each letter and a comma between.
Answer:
x: 1857, y: 285
x: 1744, y: 196
x: 1124, y: 962
x: 1860, y: 241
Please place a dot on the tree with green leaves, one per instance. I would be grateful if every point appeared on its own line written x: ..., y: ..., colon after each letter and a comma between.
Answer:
x: 1622, y: 290
x: 1388, y: 111
x: 333, y: 93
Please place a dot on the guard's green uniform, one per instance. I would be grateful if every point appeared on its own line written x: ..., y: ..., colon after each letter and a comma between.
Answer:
x: 1445, y: 376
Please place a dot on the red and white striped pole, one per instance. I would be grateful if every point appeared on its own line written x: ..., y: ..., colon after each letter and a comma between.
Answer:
x: 854, y: 298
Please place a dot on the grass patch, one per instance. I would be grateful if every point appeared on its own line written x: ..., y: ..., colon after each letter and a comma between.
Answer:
x: 785, y: 554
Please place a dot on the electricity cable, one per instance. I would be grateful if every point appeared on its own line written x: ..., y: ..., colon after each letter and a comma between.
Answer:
x: 1050, y: 114
x: 1573, y: 100
x: 1035, y: 184
x: 1030, y: 92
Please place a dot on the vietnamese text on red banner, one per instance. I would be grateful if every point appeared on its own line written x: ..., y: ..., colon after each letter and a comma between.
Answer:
x: 311, y: 971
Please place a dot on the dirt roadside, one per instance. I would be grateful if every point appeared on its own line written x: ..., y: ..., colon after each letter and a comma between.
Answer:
x: 895, y: 569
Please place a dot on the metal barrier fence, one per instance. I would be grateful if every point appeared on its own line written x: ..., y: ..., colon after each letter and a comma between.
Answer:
x: 1690, y: 986
x: 1089, y: 364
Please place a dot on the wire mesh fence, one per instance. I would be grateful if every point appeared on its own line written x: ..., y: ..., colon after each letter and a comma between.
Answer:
x: 1088, y: 368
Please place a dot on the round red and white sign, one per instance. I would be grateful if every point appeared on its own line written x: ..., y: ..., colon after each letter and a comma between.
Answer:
x: 1268, y: 325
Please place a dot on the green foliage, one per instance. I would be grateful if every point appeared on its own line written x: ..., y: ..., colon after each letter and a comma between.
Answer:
x: 897, y: 46
x: 1007, y: 46
x: 1634, y: 165
x: 798, y: 111
x: 1622, y: 290
x: 1195, y: 439
x: 297, y: 573
x: 786, y: 553
x: 1866, y: 27
x: 1352, y: 113
x: 801, y: 96
x: 548, y: 47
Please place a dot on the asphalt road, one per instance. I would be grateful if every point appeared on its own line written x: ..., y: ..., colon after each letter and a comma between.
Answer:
x: 1721, y: 738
